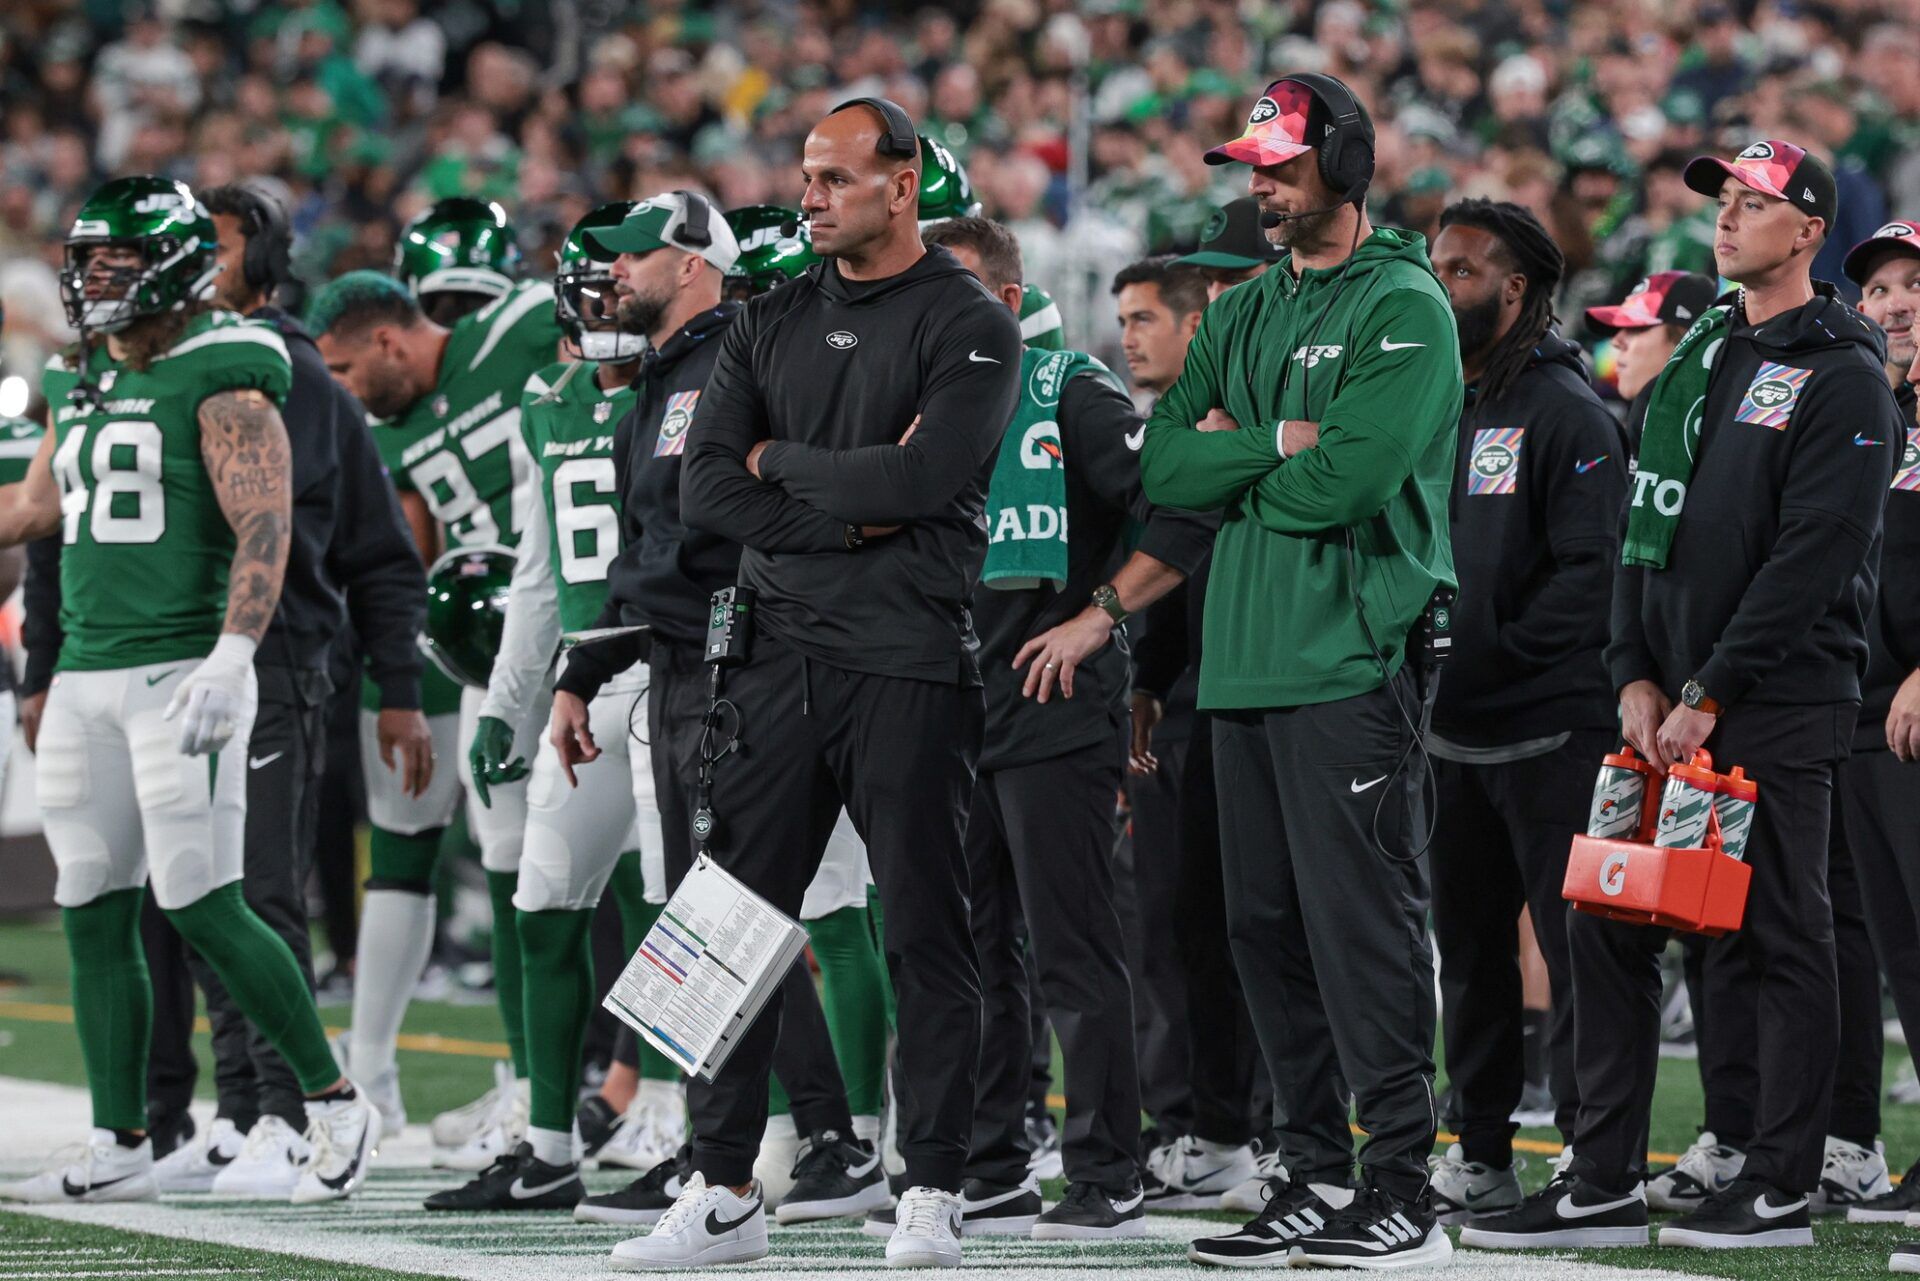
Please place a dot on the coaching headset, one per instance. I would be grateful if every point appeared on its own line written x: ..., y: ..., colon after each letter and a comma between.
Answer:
x: 267, y: 260
x: 897, y: 140
x: 1344, y: 153
x: 695, y: 228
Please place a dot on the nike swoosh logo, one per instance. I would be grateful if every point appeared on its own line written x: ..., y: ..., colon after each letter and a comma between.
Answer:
x: 216, y: 1157
x: 716, y: 1225
x: 155, y: 680
x: 1765, y: 1211
x: 1123, y: 1207
x: 66, y: 1185
x: 978, y: 359
x: 1581, y: 469
x: 1568, y: 1210
x: 1137, y: 437
x: 1861, y: 438
x: 1356, y: 786
x: 970, y: 1206
x: 865, y: 1168
x: 519, y: 1190
x: 261, y: 762
x: 1386, y: 345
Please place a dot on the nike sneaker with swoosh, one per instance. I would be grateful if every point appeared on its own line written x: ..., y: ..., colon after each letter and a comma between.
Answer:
x: 343, y: 1132
x: 1703, y: 1169
x: 836, y: 1175
x: 1272, y: 1237
x: 1464, y: 1190
x: 1891, y: 1207
x: 1850, y: 1175
x: 986, y: 1210
x: 268, y: 1167
x: 1191, y: 1174
x: 705, y: 1225
x: 1745, y: 1214
x: 192, y: 1167
x: 1089, y: 1212
x: 1250, y: 1195
x: 517, y: 1181
x: 926, y: 1233
x: 642, y: 1202
x: 1378, y: 1231
x: 1569, y: 1211
x: 99, y: 1170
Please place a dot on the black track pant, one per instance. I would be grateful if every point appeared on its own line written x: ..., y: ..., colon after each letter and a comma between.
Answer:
x: 342, y: 806
x: 899, y: 755
x: 1880, y: 798
x: 1329, y: 929
x: 1785, y: 946
x: 1040, y: 847
x: 1146, y: 892
x: 1501, y: 843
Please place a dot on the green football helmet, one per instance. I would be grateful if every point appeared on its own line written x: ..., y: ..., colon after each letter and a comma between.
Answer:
x: 174, y: 235
x: 944, y: 189
x: 459, y: 245
x: 1041, y: 326
x: 467, y: 611
x: 775, y: 246
x: 583, y: 293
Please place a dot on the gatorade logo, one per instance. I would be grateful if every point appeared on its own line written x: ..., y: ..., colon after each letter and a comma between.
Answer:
x: 1040, y: 446
x: 1613, y: 874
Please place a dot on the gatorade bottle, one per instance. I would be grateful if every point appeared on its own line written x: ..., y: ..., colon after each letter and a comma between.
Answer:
x: 1618, y: 795
x: 1734, y: 801
x: 1685, y: 804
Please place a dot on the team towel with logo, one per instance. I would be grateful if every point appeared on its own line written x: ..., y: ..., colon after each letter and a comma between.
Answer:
x: 1027, y: 495
x: 1669, y: 441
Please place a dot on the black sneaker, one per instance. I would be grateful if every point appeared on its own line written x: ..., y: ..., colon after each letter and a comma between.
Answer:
x: 1379, y: 1230
x: 834, y: 1176
x: 1089, y: 1212
x: 169, y: 1129
x: 596, y: 1121
x: 986, y: 1210
x: 1567, y: 1212
x: 642, y: 1201
x: 1890, y: 1207
x: 1745, y: 1214
x: 1905, y: 1258
x: 1272, y: 1237
x: 517, y: 1181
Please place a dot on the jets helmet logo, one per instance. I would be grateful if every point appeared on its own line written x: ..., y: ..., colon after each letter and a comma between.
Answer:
x: 1494, y: 465
x: 1758, y: 151
x: 1774, y: 391
x: 1263, y: 111
x: 840, y: 340
x: 1895, y: 230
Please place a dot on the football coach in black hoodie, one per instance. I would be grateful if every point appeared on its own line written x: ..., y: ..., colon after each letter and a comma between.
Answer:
x: 1739, y: 624
x: 844, y: 441
x: 1526, y: 710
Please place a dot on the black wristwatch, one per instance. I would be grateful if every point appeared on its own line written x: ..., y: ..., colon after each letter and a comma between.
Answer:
x: 1695, y: 695
x: 1108, y: 598
x: 855, y: 540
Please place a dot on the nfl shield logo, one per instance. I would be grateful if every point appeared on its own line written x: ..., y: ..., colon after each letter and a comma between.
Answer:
x: 603, y: 411
x: 439, y: 406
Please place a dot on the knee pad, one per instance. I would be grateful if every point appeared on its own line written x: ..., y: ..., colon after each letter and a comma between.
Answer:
x: 403, y: 861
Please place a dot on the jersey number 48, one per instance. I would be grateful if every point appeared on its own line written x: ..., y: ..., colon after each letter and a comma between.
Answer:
x: 126, y: 500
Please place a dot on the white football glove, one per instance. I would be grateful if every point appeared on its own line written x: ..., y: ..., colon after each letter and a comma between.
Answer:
x: 216, y: 696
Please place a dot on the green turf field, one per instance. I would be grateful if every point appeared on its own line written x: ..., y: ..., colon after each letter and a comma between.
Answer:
x: 447, y: 1058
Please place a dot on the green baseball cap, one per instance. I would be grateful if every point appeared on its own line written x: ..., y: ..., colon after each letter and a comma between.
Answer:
x: 673, y: 220
x: 1232, y: 239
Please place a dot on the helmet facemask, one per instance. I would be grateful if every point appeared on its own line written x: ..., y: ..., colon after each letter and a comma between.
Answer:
x: 588, y: 310
x: 133, y: 292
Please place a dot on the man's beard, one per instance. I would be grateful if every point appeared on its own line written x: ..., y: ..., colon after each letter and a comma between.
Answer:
x: 639, y: 313
x: 1479, y: 325
x: 1305, y: 233
x: 388, y: 395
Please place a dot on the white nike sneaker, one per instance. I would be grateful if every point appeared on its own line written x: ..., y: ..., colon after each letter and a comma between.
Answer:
x: 1707, y: 1167
x: 98, y: 1170
x: 382, y: 1088
x: 1464, y: 1190
x: 1851, y: 1175
x: 773, y: 1168
x: 191, y: 1167
x: 503, y: 1132
x: 926, y: 1231
x: 344, y: 1135
x: 1190, y: 1174
x: 652, y: 1130
x: 269, y: 1164
x: 1249, y: 1196
x: 705, y: 1225
x: 455, y: 1127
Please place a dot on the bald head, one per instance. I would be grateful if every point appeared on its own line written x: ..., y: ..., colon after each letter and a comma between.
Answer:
x: 859, y: 204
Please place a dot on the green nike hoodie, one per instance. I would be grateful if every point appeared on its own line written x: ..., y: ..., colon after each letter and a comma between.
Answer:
x: 1368, y: 350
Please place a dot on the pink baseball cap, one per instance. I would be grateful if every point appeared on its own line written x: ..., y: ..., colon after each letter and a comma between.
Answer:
x: 1664, y: 298
x: 1276, y: 128
x: 1772, y: 168
x: 1895, y: 237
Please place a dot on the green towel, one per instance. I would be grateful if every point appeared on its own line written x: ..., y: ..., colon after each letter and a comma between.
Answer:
x: 1669, y: 441
x: 1027, y: 495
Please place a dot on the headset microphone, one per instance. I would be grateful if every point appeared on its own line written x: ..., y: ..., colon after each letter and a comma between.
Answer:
x: 1268, y: 221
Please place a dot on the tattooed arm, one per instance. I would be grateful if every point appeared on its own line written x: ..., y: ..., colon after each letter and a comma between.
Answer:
x: 250, y: 464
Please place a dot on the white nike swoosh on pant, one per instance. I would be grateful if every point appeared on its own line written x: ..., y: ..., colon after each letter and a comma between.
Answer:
x: 1356, y: 786
x: 261, y: 762
x: 1765, y: 1211
x: 1568, y: 1210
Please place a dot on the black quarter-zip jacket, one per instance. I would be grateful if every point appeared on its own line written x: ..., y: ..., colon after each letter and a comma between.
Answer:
x: 1535, y: 515
x: 666, y: 573
x: 833, y: 372
x: 1893, y: 631
x: 1770, y: 579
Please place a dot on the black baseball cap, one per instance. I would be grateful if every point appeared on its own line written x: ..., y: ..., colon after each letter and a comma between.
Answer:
x: 1895, y: 237
x: 1772, y: 168
x: 1233, y: 240
x: 1664, y: 298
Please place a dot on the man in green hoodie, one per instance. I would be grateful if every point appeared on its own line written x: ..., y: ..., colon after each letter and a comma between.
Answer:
x: 1325, y: 394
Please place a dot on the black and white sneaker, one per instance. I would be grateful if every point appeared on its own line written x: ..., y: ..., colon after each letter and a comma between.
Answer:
x: 596, y: 1120
x: 1379, y: 1230
x: 1089, y: 1212
x: 1890, y: 1207
x: 1746, y: 1214
x: 1905, y: 1258
x: 986, y: 1210
x: 641, y: 1202
x: 517, y: 1181
x: 1273, y: 1237
x: 1567, y: 1212
x: 835, y: 1176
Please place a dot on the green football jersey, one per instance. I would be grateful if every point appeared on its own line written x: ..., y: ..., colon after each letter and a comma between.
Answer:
x: 143, y: 570
x: 19, y: 442
x: 571, y: 441
x: 459, y: 447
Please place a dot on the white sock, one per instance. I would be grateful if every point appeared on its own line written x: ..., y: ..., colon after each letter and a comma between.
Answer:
x: 866, y: 1129
x: 555, y: 1147
x: 396, y: 937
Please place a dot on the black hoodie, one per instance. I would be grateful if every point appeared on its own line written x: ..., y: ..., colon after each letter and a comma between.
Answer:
x: 1770, y: 578
x: 834, y: 372
x: 1538, y: 486
x: 1893, y: 632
